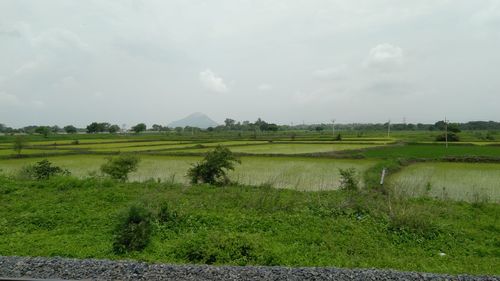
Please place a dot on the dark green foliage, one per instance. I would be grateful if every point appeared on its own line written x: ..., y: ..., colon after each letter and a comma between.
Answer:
x: 119, y: 167
x: 349, y: 179
x: 43, y: 130
x: 70, y: 129
x: 166, y: 214
x: 218, y: 248
x: 139, y: 128
x: 133, y: 233
x: 43, y: 170
x: 452, y: 137
x: 113, y: 129
x: 338, y: 137
x: 212, y: 169
x: 19, y: 144
x: 95, y: 127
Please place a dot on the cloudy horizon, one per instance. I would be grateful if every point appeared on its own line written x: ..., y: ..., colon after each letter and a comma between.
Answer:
x: 75, y: 62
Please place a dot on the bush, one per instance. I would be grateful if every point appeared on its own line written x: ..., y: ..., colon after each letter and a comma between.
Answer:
x: 118, y: 168
x: 212, y: 169
x: 166, y: 214
x: 134, y: 231
x: 451, y: 137
x: 42, y: 170
x: 349, y: 179
x: 338, y: 137
x: 218, y: 248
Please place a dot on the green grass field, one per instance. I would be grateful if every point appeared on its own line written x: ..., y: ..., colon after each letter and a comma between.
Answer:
x: 290, y: 148
x: 458, y: 181
x: 249, y: 226
x: 432, y: 151
x: 294, y: 173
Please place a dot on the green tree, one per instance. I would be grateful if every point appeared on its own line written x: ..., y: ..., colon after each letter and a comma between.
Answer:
x: 139, y: 128
x: 19, y: 144
x: 213, y: 168
x: 119, y: 167
x: 113, y: 129
x: 43, y: 130
x: 70, y: 129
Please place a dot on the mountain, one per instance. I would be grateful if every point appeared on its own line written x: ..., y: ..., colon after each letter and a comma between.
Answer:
x: 197, y: 119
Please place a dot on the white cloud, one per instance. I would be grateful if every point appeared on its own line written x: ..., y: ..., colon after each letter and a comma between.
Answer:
x: 330, y: 73
x: 8, y: 99
x: 385, y: 57
x: 264, y: 87
x: 57, y: 38
x: 213, y: 82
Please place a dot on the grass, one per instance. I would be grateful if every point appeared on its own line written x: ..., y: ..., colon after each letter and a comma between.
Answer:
x: 249, y: 226
x: 291, y: 148
x: 281, y: 172
x: 472, y: 182
x: 433, y: 151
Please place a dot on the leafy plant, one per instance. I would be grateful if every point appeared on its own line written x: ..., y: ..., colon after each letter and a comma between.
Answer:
x: 166, y: 214
x: 19, y: 144
x: 133, y: 233
x: 349, y: 179
x: 119, y: 167
x: 43, y: 170
x: 213, y: 168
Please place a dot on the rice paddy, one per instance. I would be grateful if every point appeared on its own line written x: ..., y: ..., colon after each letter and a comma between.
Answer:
x: 289, y: 148
x: 457, y: 181
x: 281, y: 172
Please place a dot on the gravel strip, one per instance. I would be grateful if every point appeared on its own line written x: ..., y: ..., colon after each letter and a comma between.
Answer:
x: 90, y: 269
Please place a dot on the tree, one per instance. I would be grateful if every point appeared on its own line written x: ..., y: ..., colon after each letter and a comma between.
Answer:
x: 113, y: 129
x: 70, y: 129
x: 213, y: 168
x: 43, y: 130
x: 118, y: 168
x: 139, y: 128
x: 229, y: 123
x: 95, y: 127
x: 19, y: 144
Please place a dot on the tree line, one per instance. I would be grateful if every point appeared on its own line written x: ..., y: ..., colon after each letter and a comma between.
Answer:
x: 258, y: 125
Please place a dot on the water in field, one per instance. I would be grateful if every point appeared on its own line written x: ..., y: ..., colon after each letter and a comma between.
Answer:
x: 458, y: 181
x: 280, y: 172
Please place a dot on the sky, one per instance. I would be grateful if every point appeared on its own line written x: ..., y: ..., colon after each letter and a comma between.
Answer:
x: 286, y: 61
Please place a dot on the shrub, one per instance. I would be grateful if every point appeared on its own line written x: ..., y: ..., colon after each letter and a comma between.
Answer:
x: 118, y: 168
x: 218, y: 248
x: 134, y: 231
x: 42, y: 170
x: 166, y: 214
x: 338, y: 137
x: 349, y: 179
x: 212, y: 169
x: 451, y: 137
x: 19, y: 144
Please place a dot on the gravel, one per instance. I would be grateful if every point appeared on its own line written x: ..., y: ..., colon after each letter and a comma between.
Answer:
x: 91, y: 269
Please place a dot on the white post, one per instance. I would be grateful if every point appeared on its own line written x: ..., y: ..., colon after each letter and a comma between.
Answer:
x: 383, y: 176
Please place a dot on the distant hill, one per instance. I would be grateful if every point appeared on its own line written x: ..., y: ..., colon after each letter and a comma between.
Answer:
x: 197, y: 119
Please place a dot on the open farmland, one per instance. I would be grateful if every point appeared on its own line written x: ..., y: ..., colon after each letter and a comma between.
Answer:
x: 433, y: 151
x: 457, y: 181
x: 290, y: 148
x: 294, y: 173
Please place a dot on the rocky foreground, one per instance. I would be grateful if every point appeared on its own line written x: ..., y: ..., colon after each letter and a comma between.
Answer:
x: 91, y: 269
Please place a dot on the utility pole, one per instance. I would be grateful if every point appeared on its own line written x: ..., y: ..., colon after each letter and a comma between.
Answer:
x: 333, y: 127
x: 389, y: 128
x: 446, y: 131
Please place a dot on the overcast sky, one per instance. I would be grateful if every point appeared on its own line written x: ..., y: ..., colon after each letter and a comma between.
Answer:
x: 74, y: 62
